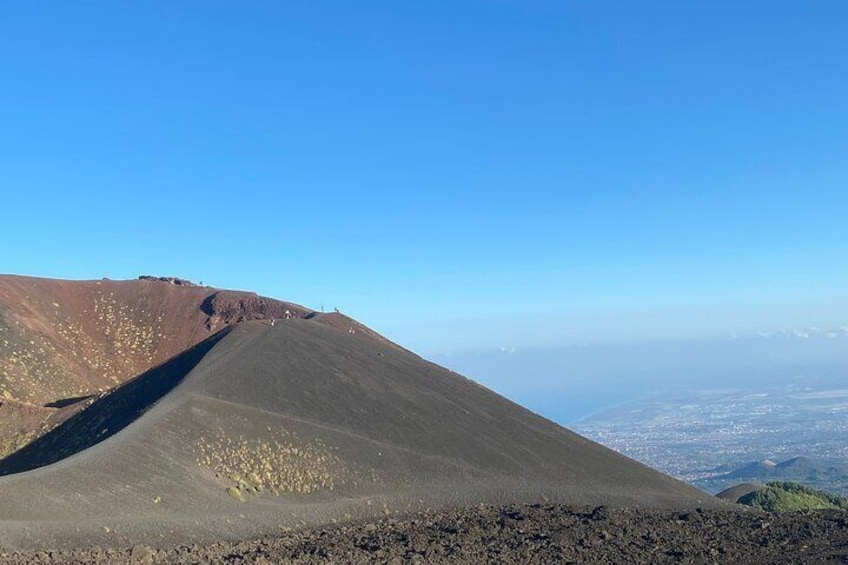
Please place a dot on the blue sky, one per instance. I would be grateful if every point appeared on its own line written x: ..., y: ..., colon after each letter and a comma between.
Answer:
x: 458, y: 175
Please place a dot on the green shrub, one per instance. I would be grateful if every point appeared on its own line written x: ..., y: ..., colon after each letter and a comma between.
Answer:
x: 780, y: 496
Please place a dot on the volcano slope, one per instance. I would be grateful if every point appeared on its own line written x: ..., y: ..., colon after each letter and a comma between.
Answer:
x: 63, y: 343
x: 306, y: 420
x: 61, y: 340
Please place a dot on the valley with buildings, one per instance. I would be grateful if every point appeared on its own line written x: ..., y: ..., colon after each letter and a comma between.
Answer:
x: 705, y: 437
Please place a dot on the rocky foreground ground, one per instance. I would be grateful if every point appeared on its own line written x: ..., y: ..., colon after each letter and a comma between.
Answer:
x: 520, y: 534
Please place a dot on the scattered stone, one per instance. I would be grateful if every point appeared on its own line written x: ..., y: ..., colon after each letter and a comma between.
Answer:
x: 548, y: 533
x: 170, y: 280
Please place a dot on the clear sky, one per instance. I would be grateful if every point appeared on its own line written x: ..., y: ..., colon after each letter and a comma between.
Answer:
x: 458, y: 175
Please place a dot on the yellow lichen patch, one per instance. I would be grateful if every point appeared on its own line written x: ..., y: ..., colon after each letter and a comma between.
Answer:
x: 235, y: 493
x: 280, y: 465
x: 29, y: 370
x: 123, y: 342
x: 13, y: 442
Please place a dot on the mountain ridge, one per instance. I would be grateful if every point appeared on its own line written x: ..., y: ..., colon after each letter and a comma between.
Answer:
x: 806, y: 470
x: 61, y: 339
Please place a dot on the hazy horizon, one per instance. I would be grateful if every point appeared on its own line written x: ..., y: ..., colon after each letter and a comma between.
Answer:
x: 567, y: 383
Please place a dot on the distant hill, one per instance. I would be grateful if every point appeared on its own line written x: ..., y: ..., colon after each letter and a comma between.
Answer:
x: 828, y: 476
x: 734, y: 493
x: 798, y: 469
x: 783, y: 496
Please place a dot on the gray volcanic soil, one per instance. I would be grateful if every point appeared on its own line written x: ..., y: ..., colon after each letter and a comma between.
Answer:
x: 302, y: 423
x: 520, y: 534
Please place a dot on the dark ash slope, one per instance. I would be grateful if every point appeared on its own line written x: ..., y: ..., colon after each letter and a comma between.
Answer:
x: 302, y: 422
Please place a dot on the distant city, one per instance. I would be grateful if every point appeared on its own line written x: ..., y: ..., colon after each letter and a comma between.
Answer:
x: 716, y: 438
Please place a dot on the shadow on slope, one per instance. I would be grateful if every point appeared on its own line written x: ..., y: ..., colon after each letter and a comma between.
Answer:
x: 110, y: 414
x: 65, y: 402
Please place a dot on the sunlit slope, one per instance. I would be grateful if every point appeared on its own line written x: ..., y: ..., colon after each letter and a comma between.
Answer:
x: 65, y: 339
x: 265, y: 421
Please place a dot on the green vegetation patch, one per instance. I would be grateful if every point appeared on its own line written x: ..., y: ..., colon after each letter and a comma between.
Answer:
x: 778, y: 496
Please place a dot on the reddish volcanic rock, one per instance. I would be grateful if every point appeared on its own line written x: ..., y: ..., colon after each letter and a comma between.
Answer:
x: 227, y: 307
x: 63, y: 339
